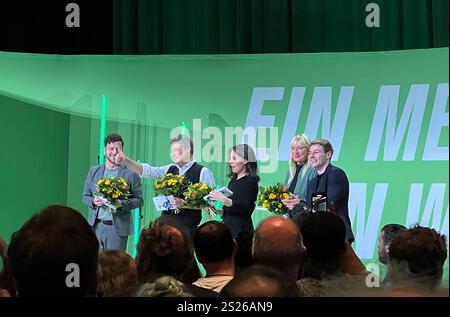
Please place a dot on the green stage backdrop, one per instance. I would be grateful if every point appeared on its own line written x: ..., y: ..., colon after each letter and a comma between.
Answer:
x: 386, y: 114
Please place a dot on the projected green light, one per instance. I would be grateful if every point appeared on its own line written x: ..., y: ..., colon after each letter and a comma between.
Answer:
x: 184, y: 129
x: 102, y: 160
x: 136, y: 228
x: 102, y: 128
x: 136, y: 231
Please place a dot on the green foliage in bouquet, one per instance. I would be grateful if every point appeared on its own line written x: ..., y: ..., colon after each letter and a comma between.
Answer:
x: 194, y: 195
x: 271, y: 197
x: 171, y: 184
x: 113, y: 188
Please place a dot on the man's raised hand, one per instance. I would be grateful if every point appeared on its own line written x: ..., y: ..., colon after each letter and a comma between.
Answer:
x: 120, y: 157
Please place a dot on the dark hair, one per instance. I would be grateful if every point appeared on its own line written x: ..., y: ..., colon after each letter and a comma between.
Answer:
x: 41, y: 250
x: 246, y: 152
x: 324, y: 238
x: 193, y: 272
x: 183, y: 139
x: 418, y: 254
x: 323, y: 235
x: 161, y: 253
x: 113, y: 137
x: 118, y: 271
x: 6, y: 279
x: 259, y: 277
x: 213, y: 242
x: 243, y: 257
x: 326, y: 145
x: 392, y: 231
x: 299, y: 213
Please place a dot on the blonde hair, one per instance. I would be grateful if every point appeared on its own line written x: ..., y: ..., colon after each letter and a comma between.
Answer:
x: 119, y: 272
x: 165, y: 286
x: 302, y: 140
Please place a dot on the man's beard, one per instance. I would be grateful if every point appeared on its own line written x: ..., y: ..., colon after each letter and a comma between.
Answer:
x: 383, y: 257
x: 110, y: 161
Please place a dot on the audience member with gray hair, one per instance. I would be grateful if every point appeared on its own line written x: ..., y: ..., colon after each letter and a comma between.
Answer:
x: 165, y: 286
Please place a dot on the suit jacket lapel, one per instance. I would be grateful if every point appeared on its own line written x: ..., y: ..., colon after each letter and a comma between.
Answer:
x: 101, y: 172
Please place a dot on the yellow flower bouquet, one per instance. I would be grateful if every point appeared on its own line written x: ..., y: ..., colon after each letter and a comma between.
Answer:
x: 171, y: 185
x: 271, y: 198
x: 111, y: 189
x: 195, y: 194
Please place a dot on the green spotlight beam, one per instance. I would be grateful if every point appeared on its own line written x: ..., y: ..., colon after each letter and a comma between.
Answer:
x: 184, y: 129
x: 102, y: 128
x: 102, y: 160
x: 136, y: 231
x: 137, y: 222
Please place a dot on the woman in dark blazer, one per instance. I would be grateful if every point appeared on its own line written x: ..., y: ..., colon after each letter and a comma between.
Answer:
x: 238, y: 208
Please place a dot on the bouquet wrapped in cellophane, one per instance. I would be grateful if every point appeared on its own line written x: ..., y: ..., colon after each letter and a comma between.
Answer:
x: 192, y: 194
x: 109, y: 190
x: 195, y: 194
x: 194, y: 197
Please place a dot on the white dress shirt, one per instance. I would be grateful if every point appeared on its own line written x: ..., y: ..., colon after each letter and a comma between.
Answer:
x: 206, y: 176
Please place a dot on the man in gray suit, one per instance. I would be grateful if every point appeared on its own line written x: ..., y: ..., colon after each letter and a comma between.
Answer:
x: 112, y: 229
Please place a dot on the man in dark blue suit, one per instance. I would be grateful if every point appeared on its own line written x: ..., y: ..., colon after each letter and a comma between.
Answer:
x: 330, y: 180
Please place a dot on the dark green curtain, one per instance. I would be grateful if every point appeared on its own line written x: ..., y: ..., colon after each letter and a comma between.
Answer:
x: 275, y: 26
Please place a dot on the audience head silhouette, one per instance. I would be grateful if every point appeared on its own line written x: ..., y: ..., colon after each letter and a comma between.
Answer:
x: 55, y: 253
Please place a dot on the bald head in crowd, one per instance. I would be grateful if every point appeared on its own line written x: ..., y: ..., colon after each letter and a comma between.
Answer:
x: 277, y: 243
x: 259, y: 281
